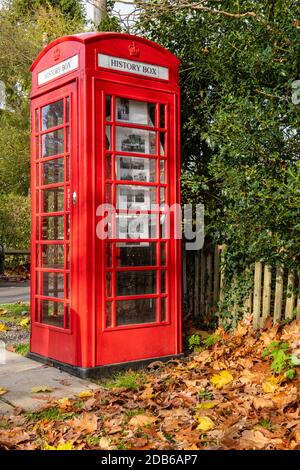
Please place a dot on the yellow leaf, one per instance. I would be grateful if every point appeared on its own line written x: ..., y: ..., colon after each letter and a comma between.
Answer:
x: 86, y: 394
x: 64, y: 446
x: 41, y: 389
x: 205, y: 423
x: 64, y: 403
x: 25, y: 322
x: 3, y: 312
x: 3, y: 390
x: 271, y: 384
x: 221, y: 379
x: 207, y: 405
x: 3, y: 327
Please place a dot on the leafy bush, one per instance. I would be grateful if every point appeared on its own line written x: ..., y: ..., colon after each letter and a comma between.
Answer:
x: 15, y: 221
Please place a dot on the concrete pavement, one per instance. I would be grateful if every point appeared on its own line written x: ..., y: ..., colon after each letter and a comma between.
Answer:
x: 11, y: 292
x: 19, y: 375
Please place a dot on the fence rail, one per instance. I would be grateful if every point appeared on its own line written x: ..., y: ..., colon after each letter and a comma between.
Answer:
x: 276, y: 291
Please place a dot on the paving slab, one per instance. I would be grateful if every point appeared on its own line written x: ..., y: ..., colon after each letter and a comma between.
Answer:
x: 20, y: 374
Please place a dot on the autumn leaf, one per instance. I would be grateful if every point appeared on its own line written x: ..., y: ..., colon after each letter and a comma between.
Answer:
x: 3, y: 391
x: 64, y: 403
x: 271, y: 384
x: 141, y: 421
x: 3, y: 312
x: 25, y: 322
x: 205, y: 423
x: 63, y: 446
x: 104, y: 443
x: 3, y: 327
x: 42, y: 389
x: 263, y: 403
x: 86, y: 394
x: 221, y: 379
x: 13, y: 437
x: 86, y: 422
x: 206, y: 405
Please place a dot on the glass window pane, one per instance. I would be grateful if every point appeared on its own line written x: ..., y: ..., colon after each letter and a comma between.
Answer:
x: 108, y: 285
x: 108, y: 108
x: 163, y: 282
x: 53, y: 256
x: 135, y: 169
x: 36, y: 118
x: 67, y: 109
x: 67, y: 316
x: 135, y: 140
x: 162, y: 109
x: 108, y: 255
x: 53, y: 285
x: 136, y: 311
x: 53, y: 143
x: 53, y: 200
x: 162, y: 143
x: 108, y: 167
x: 108, y: 195
x: 163, y: 255
x: 136, y: 282
x: 136, y: 112
x: 162, y: 171
x: 37, y: 148
x: 136, y: 254
x: 135, y: 197
x: 163, y: 312
x: 136, y: 226
x: 53, y: 171
x: 108, y: 137
x: 52, y: 313
x: 108, y: 315
x: 53, y: 228
x: 53, y: 115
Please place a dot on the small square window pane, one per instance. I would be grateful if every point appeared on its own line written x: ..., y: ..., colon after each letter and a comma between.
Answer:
x: 108, y: 138
x: 53, y: 256
x: 53, y: 200
x: 52, y: 313
x: 53, y: 143
x: 53, y: 228
x: 162, y: 112
x: 53, y: 285
x: 135, y: 169
x: 108, y: 107
x: 136, y: 254
x: 163, y: 282
x: 108, y: 284
x: 163, y: 309
x: 135, y: 141
x: 135, y: 197
x: 53, y: 171
x: 136, y: 311
x: 53, y: 115
x: 136, y: 226
x: 136, y: 282
x: 136, y: 112
x: 108, y: 315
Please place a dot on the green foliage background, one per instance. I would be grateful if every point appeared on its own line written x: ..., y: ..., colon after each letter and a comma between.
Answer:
x: 25, y: 25
x: 240, y: 129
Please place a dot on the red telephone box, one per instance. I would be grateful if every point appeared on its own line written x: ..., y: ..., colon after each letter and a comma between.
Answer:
x: 105, y: 130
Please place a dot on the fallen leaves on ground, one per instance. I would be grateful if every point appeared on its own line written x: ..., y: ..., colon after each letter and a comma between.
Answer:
x: 42, y: 389
x: 224, y: 397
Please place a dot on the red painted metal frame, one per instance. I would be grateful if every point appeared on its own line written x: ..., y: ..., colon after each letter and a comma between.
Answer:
x: 86, y: 341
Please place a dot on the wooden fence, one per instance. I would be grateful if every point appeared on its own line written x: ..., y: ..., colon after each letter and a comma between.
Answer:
x: 275, y: 293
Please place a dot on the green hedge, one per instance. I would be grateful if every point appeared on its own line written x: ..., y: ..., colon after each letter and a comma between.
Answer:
x: 15, y: 221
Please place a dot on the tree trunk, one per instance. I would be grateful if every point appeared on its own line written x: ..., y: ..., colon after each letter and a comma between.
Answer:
x: 99, y: 11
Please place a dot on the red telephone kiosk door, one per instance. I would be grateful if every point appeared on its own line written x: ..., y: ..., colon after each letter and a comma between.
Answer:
x: 136, y: 173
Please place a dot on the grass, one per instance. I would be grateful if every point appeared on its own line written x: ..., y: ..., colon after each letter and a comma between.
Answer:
x: 267, y: 424
x: 22, y: 348
x: 130, y: 380
x: 53, y: 414
x: 13, y: 312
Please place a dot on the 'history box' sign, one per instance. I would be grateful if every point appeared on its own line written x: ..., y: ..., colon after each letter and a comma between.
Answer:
x: 57, y: 70
x: 132, y: 66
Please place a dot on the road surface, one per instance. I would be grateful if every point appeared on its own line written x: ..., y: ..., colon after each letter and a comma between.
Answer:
x: 11, y: 292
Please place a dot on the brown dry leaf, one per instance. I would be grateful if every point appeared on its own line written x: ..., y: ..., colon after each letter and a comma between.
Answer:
x: 286, y: 398
x: 141, y: 421
x: 86, y: 422
x: 263, y: 403
x: 64, y: 403
x: 3, y: 391
x: 291, y: 332
x: 255, y: 440
x: 104, y: 443
x: 13, y: 437
x: 148, y: 393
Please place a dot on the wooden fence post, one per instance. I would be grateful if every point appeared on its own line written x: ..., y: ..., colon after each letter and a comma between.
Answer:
x: 266, y: 293
x: 278, y: 295
x: 257, y: 294
x: 216, y: 275
x: 290, y: 299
